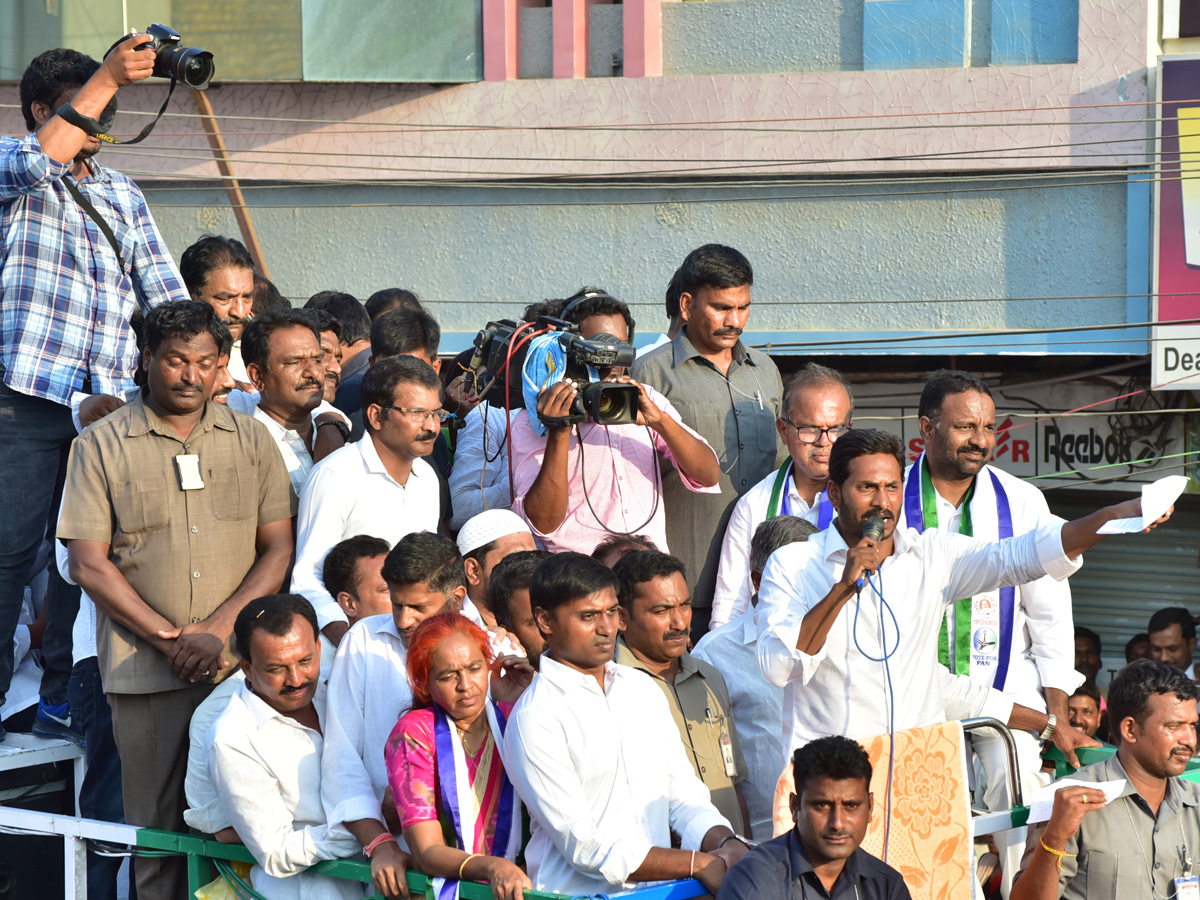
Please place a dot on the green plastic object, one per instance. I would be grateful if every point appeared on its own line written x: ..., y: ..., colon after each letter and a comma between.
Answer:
x: 1087, y: 756
x: 200, y: 851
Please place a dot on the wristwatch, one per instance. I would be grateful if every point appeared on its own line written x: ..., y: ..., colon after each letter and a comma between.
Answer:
x: 1051, y: 722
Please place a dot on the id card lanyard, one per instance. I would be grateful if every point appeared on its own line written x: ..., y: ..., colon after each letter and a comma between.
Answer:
x: 1187, y: 886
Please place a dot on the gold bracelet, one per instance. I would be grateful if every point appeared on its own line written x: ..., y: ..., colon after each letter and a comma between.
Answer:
x: 1058, y: 854
x: 464, y: 864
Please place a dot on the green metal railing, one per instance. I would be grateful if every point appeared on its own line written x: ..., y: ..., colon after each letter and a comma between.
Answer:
x: 204, y: 854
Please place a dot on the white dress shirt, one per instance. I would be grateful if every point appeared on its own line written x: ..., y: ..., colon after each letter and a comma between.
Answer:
x: 604, y: 776
x: 837, y: 690
x: 204, y: 812
x: 1043, y: 633
x: 475, y: 483
x: 267, y: 771
x: 731, y: 597
x: 237, y: 368
x: 297, y: 458
x: 368, y: 690
x: 757, y: 707
x: 348, y: 493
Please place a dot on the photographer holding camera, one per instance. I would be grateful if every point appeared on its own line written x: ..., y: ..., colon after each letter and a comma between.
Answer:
x: 80, y: 253
x: 583, y: 481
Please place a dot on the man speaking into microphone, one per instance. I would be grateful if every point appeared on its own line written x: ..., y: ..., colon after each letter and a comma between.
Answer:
x: 832, y: 609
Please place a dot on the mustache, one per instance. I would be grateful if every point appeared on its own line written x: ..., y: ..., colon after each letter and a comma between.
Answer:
x: 971, y: 448
x: 830, y: 835
x: 671, y: 635
x: 186, y: 386
x: 309, y: 383
x: 729, y: 331
x: 221, y: 392
x: 296, y: 689
x: 235, y: 320
x: 426, y: 435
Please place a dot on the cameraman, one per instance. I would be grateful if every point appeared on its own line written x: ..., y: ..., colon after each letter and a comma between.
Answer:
x: 581, y: 483
x: 65, y: 306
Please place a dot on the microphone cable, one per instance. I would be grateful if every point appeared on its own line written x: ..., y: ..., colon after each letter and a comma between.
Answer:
x: 885, y: 656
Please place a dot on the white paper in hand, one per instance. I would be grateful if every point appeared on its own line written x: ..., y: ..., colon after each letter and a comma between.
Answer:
x: 1157, y: 498
x: 1043, y: 799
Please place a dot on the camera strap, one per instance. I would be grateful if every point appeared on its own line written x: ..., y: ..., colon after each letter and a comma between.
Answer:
x: 95, y: 216
x: 68, y: 113
x: 562, y: 421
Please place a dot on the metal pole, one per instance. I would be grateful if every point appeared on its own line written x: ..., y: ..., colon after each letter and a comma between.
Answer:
x: 232, y: 187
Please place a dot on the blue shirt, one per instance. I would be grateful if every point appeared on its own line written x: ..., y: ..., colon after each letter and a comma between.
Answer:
x: 65, y: 304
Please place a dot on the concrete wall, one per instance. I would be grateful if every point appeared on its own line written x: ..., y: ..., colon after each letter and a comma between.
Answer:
x: 604, y: 41
x: 476, y: 253
x: 733, y: 36
x: 757, y: 36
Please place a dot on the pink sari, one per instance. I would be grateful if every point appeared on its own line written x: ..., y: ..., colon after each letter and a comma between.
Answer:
x: 411, y: 758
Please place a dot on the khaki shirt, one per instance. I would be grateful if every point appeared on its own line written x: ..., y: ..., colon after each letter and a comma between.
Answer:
x: 1122, y: 846
x: 726, y: 411
x: 699, y: 702
x: 184, y: 552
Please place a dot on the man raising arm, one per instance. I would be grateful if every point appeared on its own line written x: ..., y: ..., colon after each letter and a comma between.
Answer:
x: 812, y: 647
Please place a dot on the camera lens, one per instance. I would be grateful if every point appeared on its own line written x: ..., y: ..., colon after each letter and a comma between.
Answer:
x: 197, y: 68
x: 193, y: 67
x: 608, y: 406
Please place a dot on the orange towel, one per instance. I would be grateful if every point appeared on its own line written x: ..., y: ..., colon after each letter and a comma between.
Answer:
x: 930, y: 841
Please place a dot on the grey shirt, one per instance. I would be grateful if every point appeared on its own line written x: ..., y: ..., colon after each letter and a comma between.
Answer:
x: 736, y: 414
x: 1122, y: 846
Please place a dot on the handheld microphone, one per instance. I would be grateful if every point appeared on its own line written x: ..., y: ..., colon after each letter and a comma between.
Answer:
x: 873, y: 529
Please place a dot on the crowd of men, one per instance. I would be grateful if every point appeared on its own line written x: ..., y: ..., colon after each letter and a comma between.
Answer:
x: 306, y: 591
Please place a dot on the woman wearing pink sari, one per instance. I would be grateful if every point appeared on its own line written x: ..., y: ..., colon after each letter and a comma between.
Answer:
x: 460, y: 814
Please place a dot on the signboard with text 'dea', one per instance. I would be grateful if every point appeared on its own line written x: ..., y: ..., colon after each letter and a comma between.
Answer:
x: 1175, y: 348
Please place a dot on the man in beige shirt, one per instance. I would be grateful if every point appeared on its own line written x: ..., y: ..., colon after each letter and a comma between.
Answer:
x: 176, y: 514
x: 656, y: 613
x: 1142, y: 845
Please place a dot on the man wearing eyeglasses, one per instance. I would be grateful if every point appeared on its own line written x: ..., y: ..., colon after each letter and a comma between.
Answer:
x: 379, y: 485
x: 818, y: 407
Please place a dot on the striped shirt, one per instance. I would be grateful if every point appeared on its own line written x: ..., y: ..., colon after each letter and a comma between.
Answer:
x: 64, y: 302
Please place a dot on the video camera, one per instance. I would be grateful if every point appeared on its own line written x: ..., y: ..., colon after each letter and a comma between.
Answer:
x: 502, y: 348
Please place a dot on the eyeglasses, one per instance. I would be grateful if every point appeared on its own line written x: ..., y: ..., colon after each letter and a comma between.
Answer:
x: 421, y: 415
x: 811, y: 434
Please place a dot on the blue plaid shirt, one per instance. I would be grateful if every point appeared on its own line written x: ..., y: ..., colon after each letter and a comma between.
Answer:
x: 64, y: 303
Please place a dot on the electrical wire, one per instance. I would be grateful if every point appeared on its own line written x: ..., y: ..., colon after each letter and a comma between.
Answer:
x: 705, y: 124
x: 771, y: 182
x: 711, y: 163
x: 996, y: 333
x: 656, y: 201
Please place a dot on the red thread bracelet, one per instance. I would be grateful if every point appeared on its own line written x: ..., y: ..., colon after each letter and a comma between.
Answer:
x: 381, y: 839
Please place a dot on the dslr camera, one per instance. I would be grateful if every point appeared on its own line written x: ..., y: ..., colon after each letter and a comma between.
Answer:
x: 188, y: 65
x: 502, y: 350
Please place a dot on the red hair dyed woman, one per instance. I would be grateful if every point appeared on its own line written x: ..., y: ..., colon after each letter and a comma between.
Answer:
x: 460, y: 814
